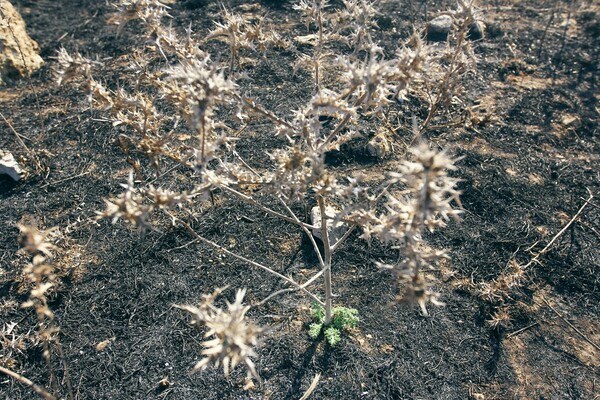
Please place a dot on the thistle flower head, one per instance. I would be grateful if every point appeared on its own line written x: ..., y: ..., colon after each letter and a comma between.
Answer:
x: 311, y: 9
x: 426, y: 202
x: 430, y: 190
x: 128, y: 206
x: 149, y: 11
x: 233, y: 28
x: 232, y: 337
x: 72, y: 66
x: 37, y: 241
x: 197, y: 87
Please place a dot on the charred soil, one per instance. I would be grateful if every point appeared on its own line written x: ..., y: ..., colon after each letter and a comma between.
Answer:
x: 530, y: 147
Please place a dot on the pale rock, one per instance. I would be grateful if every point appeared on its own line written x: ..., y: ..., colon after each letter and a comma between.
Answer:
x: 335, y: 233
x: 18, y: 52
x: 477, y: 30
x: 9, y: 166
x: 439, y: 28
x: 378, y: 146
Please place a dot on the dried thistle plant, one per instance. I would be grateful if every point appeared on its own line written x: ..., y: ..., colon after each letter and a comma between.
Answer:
x: 149, y: 11
x: 499, y: 290
x: 70, y: 67
x: 128, y: 206
x: 135, y: 206
x: 359, y: 18
x: 41, y: 274
x: 232, y: 338
x: 236, y: 32
x: 499, y: 294
x: 419, y: 195
x: 36, y: 241
x: 448, y: 65
x: 426, y: 203
x: 499, y: 319
x: 12, y: 344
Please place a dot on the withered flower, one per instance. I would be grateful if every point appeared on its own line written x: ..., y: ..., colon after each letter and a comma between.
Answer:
x: 232, y: 337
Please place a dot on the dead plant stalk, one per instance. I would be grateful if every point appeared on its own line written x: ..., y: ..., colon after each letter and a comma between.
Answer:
x: 35, y: 387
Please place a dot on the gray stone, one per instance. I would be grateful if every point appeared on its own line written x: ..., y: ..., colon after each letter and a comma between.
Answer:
x: 439, y: 28
x: 378, y: 146
x: 476, y: 30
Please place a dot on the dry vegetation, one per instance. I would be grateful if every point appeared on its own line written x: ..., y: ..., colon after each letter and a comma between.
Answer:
x: 316, y: 157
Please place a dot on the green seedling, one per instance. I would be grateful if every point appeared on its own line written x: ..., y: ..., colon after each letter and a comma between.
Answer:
x: 343, y: 318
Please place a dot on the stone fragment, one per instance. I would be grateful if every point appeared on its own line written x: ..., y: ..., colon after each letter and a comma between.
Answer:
x: 9, y: 166
x: 439, y: 28
x: 335, y: 233
x: 18, y: 52
x: 378, y: 146
x: 476, y: 30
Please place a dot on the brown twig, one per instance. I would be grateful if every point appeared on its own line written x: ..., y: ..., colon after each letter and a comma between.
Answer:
x: 591, y: 228
x: 65, y: 179
x: 547, y: 247
x: 36, y: 388
x: 593, y: 204
x: 266, y: 209
x: 312, y: 387
x: 571, y: 325
x: 517, y: 332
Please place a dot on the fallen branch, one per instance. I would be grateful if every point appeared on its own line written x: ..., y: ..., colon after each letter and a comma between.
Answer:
x: 571, y: 325
x: 547, y: 247
x: 36, y: 388
x: 517, y: 332
x: 312, y: 387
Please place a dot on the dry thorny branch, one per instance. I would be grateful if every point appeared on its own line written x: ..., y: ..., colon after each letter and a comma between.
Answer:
x: 38, y: 244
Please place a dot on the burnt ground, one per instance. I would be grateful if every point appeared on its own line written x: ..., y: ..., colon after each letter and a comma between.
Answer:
x: 530, y: 159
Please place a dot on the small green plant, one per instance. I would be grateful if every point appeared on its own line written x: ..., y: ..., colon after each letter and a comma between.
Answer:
x: 343, y: 318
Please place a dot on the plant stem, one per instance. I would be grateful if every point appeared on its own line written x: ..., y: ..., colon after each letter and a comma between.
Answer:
x: 202, y: 131
x: 319, y: 49
x: 446, y: 84
x: 233, y: 54
x: 251, y: 104
x: 326, y: 260
x: 294, y: 289
x: 36, y: 388
x: 274, y: 213
x: 242, y: 258
x: 307, y: 231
